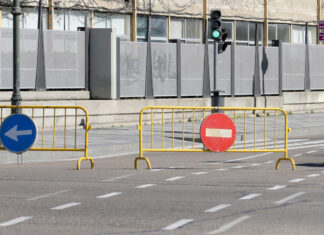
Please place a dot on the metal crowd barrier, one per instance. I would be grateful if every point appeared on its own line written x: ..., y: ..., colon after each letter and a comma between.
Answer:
x: 174, y: 129
x: 52, y: 121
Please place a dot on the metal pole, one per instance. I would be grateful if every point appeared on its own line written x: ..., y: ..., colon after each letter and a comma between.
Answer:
x: 215, y: 63
x: 16, y: 12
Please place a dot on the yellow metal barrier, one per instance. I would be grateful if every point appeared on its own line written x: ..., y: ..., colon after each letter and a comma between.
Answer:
x: 243, y: 118
x: 50, y: 118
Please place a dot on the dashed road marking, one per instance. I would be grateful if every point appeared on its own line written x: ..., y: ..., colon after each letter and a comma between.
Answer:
x: 268, y: 162
x: 109, y: 195
x: 49, y: 195
x: 222, y: 169
x: 314, y: 151
x: 158, y: 169
x: 199, y: 173
x: 15, y: 221
x: 118, y: 178
x: 66, y: 206
x: 289, y: 198
x: 255, y: 164
x: 226, y: 227
x: 297, y: 155
x: 277, y: 187
x: 297, y: 180
x: 178, y: 224
x: 313, y: 175
x: 239, y: 159
x: 250, y: 196
x: 145, y: 186
x: 238, y: 167
x: 175, y: 178
x: 217, y: 208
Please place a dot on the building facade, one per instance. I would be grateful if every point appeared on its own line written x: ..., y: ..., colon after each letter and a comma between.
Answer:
x: 178, y: 19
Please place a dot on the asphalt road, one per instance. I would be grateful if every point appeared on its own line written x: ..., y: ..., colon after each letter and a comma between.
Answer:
x: 191, y: 193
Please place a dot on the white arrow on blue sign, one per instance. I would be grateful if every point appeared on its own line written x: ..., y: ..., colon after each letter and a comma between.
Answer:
x: 18, y: 133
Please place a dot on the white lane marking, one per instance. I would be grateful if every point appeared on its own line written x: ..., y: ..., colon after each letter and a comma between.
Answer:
x: 222, y: 169
x: 250, y: 196
x: 49, y: 195
x: 175, y: 178
x: 118, y: 178
x: 217, y: 208
x: 238, y: 167
x: 255, y: 164
x: 154, y: 170
x: 296, y: 180
x: 15, y: 221
x: 199, y: 173
x: 313, y: 175
x: 145, y: 186
x: 277, y: 187
x: 226, y: 227
x: 178, y: 224
x: 314, y: 151
x: 289, y: 198
x: 109, y: 195
x: 297, y: 155
x: 268, y: 162
x: 66, y: 206
x: 176, y: 167
x: 239, y: 159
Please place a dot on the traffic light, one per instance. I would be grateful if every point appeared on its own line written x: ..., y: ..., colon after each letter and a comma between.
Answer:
x: 216, y: 24
x: 222, y: 45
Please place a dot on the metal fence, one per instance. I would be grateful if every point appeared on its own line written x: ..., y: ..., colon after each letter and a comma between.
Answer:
x: 166, y: 129
x: 58, y: 128
x: 179, y: 64
x: 64, y: 59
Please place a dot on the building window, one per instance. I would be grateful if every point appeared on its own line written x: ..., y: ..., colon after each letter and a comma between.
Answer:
x: 187, y: 29
x: 70, y: 20
x: 28, y: 20
x: 158, y: 26
x: 299, y: 34
x: 245, y: 33
x: 279, y: 32
x: 227, y: 25
x: 121, y: 23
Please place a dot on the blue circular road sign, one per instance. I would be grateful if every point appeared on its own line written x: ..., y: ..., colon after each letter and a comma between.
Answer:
x: 18, y: 133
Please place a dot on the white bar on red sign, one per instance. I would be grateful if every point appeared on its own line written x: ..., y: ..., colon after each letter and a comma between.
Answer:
x: 222, y: 133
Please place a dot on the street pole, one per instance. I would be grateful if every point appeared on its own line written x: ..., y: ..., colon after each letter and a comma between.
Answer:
x: 16, y: 97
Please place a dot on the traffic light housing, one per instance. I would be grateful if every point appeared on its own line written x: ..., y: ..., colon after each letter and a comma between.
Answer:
x: 216, y: 24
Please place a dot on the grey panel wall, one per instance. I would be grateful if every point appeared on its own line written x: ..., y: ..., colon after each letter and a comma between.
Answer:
x: 28, y: 46
x: 271, y: 77
x: 64, y: 59
x: 316, y: 66
x: 132, y: 69
x: 192, y: 66
x: 244, y: 70
x: 293, y: 66
x: 223, y: 78
x: 164, y: 63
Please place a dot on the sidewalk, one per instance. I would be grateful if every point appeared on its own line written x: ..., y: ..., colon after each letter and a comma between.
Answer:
x: 119, y: 141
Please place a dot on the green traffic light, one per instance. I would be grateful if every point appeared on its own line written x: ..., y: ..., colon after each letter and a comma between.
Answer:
x: 216, y: 34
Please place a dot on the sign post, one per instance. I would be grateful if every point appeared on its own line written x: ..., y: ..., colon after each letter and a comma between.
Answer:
x: 18, y: 133
x: 218, y: 132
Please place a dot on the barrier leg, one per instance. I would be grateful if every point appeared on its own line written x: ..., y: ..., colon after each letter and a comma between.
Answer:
x: 143, y: 158
x: 85, y: 158
x: 286, y: 159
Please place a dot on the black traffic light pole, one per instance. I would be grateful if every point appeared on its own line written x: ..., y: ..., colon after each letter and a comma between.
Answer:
x: 16, y: 97
x: 215, y: 61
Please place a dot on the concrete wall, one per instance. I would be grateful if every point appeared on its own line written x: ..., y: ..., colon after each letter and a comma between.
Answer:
x: 108, y: 113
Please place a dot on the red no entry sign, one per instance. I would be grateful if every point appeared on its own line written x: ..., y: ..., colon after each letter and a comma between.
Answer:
x: 218, y: 132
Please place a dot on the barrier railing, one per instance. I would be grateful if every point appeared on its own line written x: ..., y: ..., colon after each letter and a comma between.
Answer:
x: 174, y: 127
x: 53, y: 121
